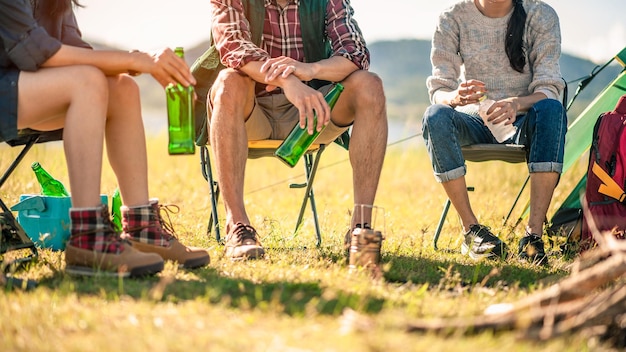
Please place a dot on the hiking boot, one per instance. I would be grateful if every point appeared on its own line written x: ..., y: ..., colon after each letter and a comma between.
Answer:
x: 242, y: 243
x: 144, y: 227
x: 531, y: 248
x: 94, y: 248
x: 365, y: 248
x: 481, y: 243
x: 347, y: 240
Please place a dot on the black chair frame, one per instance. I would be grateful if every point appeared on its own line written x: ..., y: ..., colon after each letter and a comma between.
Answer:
x: 311, y: 162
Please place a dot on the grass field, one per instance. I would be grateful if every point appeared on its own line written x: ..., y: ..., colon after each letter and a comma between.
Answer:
x: 300, y: 298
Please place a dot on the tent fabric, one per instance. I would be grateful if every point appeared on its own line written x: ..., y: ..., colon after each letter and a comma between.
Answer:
x: 578, y: 138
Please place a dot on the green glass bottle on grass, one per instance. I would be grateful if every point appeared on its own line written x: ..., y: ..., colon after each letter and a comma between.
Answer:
x: 116, y: 213
x: 180, y: 116
x: 299, y: 139
x: 49, y: 185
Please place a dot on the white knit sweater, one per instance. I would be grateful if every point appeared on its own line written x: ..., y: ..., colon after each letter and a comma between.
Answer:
x: 468, y: 45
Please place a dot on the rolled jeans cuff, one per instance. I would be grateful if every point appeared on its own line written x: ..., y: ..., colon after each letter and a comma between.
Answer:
x: 545, y: 167
x: 451, y: 175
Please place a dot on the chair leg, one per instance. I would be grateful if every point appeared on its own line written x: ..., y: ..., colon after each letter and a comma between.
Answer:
x: 519, y: 194
x: 18, y: 159
x: 442, y: 219
x: 12, y: 235
x: 205, y: 160
x: 311, y: 165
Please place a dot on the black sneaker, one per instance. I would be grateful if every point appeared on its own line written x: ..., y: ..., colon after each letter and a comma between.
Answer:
x: 531, y: 249
x: 481, y: 243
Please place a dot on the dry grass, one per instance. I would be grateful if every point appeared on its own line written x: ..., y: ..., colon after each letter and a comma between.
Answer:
x: 300, y: 298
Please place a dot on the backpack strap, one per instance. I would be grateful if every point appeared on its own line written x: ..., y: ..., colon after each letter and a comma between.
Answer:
x: 608, y: 187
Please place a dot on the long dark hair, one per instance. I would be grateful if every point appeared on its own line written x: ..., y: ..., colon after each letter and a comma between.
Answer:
x: 514, y: 43
x: 57, y: 7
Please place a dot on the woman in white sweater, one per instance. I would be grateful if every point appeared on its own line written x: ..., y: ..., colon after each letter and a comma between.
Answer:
x: 507, y: 50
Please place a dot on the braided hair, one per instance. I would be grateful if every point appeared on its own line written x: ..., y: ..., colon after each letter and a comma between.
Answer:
x: 514, y: 43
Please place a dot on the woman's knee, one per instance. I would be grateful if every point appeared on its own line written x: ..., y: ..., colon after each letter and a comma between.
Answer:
x: 123, y: 92
x: 439, y: 115
x: 89, y: 82
x: 124, y: 86
x: 550, y: 113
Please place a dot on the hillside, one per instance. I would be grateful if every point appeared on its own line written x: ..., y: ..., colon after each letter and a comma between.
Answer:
x: 404, y: 66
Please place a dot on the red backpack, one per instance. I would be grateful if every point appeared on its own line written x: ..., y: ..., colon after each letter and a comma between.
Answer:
x: 606, y: 176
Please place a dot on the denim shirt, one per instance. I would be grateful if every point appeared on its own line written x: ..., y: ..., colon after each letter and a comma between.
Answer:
x: 25, y: 44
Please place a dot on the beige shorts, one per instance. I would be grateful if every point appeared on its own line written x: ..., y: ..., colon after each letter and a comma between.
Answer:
x: 273, y: 117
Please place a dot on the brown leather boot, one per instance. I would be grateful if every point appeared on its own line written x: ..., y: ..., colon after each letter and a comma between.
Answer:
x: 94, y: 248
x: 144, y: 227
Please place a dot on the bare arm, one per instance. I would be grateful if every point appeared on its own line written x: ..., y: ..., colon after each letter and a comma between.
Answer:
x: 334, y: 69
x: 165, y: 66
x: 289, y: 74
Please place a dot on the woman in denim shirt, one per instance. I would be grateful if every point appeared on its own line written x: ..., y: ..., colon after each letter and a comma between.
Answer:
x: 51, y: 79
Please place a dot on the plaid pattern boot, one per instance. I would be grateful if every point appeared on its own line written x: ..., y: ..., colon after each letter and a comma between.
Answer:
x: 148, y: 232
x: 94, y: 248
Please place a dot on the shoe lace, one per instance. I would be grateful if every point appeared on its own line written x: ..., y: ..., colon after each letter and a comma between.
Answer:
x: 168, y: 227
x: 484, y: 232
x: 245, y: 232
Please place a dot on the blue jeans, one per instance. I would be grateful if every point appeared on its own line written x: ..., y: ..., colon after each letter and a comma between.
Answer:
x: 542, y: 130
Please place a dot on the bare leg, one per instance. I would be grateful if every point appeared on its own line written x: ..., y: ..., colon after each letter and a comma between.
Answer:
x: 73, y: 98
x: 366, y: 107
x: 457, y: 193
x: 229, y: 139
x: 126, y: 142
x: 542, y: 186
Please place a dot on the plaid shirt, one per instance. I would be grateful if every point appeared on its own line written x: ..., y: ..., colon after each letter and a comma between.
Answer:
x: 281, y: 33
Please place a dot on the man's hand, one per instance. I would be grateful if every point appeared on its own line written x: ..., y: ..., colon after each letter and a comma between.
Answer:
x: 309, y: 102
x: 290, y: 74
x: 284, y: 66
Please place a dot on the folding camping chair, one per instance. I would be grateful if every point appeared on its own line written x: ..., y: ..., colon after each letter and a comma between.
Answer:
x: 13, y: 237
x: 510, y: 153
x: 264, y: 148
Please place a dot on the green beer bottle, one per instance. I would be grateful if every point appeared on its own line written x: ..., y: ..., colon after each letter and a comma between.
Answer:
x: 49, y: 185
x: 116, y: 214
x: 299, y: 140
x: 180, y: 116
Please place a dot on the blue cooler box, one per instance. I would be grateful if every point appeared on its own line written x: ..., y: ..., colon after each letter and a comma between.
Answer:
x: 46, y: 219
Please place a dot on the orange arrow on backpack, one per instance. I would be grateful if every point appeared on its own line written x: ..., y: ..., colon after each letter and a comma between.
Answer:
x: 609, y: 187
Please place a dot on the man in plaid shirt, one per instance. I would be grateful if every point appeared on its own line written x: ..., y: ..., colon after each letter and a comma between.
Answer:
x: 265, y: 90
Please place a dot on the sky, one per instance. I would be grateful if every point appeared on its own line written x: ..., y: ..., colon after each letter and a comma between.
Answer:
x: 592, y: 29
